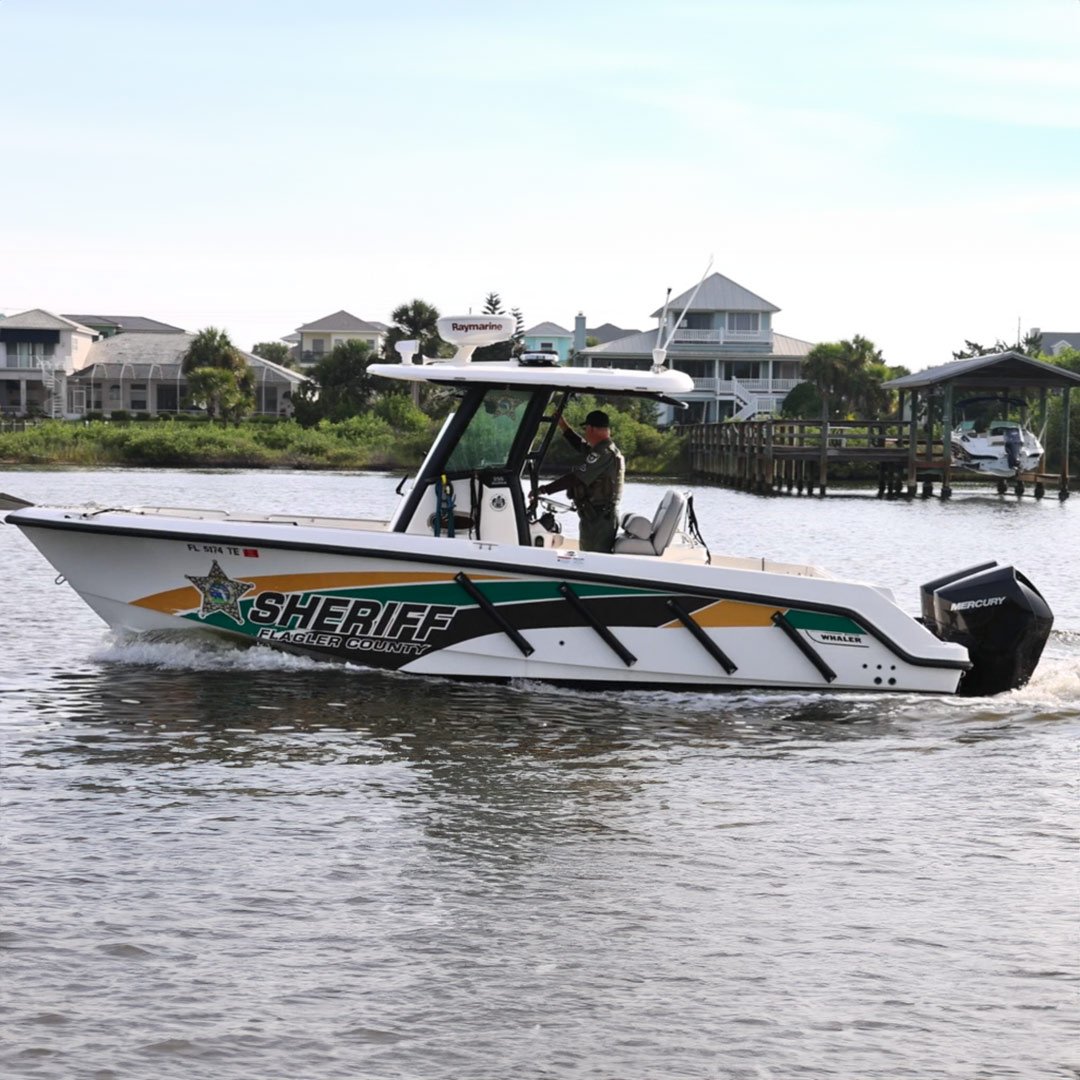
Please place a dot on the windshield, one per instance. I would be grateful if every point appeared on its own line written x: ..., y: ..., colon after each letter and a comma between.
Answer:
x: 486, y: 442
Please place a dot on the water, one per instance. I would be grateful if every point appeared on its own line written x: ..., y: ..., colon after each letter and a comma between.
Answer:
x: 244, y: 865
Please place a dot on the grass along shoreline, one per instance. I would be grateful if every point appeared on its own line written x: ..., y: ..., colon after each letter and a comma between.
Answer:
x: 365, y: 442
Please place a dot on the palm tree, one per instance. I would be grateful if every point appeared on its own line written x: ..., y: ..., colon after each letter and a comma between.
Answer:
x: 212, y: 347
x: 219, y: 378
x: 414, y: 321
x: 824, y: 369
x: 848, y: 376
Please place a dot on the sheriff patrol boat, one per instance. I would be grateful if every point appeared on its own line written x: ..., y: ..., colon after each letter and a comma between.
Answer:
x: 472, y: 578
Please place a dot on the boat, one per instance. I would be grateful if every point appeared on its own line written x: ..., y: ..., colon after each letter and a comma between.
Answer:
x: 473, y: 578
x: 1002, y: 448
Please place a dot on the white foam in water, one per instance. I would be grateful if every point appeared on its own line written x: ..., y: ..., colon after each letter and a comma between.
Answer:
x: 201, y: 654
x: 1056, y: 683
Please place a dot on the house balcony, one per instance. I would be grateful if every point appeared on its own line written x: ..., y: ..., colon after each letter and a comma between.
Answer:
x: 725, y: 388
x: 9, y: 369
x: 720, y: 337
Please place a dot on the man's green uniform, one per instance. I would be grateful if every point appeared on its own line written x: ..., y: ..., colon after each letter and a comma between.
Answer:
x: 596, y: 488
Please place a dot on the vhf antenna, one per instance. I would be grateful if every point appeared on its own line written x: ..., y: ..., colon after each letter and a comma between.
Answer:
x: 659, y: 354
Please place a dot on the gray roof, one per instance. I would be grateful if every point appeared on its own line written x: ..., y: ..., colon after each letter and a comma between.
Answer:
x: 547, y: 329
x: 782, y: 345
x: 40, y: 319
x: 995, y: 369
x: 1053, y: 340
x: 642, y: 344
x: 341, y: 321
x: 609, y: 332
x: 126, y: 322
x: 143, y: 355
x: 718, y: 293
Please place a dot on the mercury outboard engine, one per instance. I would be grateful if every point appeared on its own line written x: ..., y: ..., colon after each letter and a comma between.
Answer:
x: 998, y: 616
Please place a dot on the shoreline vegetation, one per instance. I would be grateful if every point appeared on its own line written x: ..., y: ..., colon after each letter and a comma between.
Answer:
x: 365, y: 442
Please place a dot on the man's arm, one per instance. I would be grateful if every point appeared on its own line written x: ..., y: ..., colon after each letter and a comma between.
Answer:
x: 572, y: 437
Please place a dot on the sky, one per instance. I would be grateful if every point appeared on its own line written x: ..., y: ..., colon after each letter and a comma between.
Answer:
x: 906, y: 171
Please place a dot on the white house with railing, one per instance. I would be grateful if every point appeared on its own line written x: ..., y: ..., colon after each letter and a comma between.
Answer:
x: 39, y: 351
x: 64, y: 366
x: 723, y: 338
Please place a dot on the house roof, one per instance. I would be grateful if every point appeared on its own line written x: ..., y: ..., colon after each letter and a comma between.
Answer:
x: 782, y: 345
x: 40, y: 319
x: 609, y: 332
x: 642, y: 344
x: 996, y: 369
x: 126, y: 323
x: 341, y: 321
x: 1053, y: 340
x: 718, y: 293
x: 142, y: 354
x: 547, y: 329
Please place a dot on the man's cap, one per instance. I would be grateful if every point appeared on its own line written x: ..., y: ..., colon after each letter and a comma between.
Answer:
x: 598, y: 418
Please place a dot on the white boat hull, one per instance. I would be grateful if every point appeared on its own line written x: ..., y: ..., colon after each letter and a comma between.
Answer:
x: 468, y: 609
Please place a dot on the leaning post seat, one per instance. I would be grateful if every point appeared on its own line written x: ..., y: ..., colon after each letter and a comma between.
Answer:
x: 640, y: 536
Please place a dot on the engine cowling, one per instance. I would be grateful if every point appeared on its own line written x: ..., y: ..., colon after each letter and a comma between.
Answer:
x: 998, y: 615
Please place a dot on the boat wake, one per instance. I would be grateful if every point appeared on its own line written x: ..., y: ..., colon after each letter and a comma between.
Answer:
x: 192, y: 652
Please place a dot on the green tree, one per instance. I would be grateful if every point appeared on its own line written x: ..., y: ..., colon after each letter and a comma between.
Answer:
x: 1070, y: 360
x: 277, y: 352
x: 218, y: 377
x: 415, y: 321
x: 501, y: 350
x: 1030, y: 345
x: 517, y: 341
x: 802, y: 402
x: 844, y: 378
x: 340, y: 385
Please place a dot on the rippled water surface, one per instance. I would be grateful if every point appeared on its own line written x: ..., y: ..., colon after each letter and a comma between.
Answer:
x: 234, y: 864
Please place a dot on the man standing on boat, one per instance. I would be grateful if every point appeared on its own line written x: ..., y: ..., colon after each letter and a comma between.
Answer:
x: 596, y: 484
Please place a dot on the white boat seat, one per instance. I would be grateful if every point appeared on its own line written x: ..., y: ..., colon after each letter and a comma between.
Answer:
x: 640, y: 536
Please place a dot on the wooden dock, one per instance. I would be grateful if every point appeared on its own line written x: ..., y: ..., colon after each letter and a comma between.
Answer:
x: 796, y: 456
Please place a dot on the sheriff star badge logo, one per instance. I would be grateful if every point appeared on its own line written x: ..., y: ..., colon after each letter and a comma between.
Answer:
x: 220, y: 593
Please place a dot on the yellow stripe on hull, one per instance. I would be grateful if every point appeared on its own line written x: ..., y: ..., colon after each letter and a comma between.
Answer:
x: 187, y: 597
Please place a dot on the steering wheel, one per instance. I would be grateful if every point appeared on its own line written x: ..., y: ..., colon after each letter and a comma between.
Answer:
x: 556, y: 505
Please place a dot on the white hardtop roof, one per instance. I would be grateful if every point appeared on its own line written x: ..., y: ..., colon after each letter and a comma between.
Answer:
x: 510, y: 373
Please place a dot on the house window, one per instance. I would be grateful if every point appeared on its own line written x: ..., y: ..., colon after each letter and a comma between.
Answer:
x: 138, y: 397
x: 697, y: 321
x: 743, y: 369
x: 318, y: 345
x: 168, y: 399
x: 547, y: 346
x: 743, y: 322
x: 29, y: 354
x: 114, y: 393
x: 698, y: 369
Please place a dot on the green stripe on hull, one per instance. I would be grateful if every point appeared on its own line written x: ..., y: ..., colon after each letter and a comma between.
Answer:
x: 817, y: 620
x: 498, y: 592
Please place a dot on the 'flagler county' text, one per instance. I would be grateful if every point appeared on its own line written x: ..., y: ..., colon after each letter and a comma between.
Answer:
x: 332, y: 622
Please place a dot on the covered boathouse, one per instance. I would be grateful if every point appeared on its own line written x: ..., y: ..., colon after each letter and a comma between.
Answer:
x: 930, y: 397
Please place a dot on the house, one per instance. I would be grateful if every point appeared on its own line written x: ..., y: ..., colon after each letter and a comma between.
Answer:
x: 39, y: 350
x: 607, y: 332
x: 724, y: 339
x: 142, y: 372
x: 315, y: 339
x: 108, y: 325
x: 64, y: 366
x: 549, y: 337
x: 1055, y: 342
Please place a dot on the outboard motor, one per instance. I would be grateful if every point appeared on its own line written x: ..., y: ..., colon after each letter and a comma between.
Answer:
x: 998, y: 616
